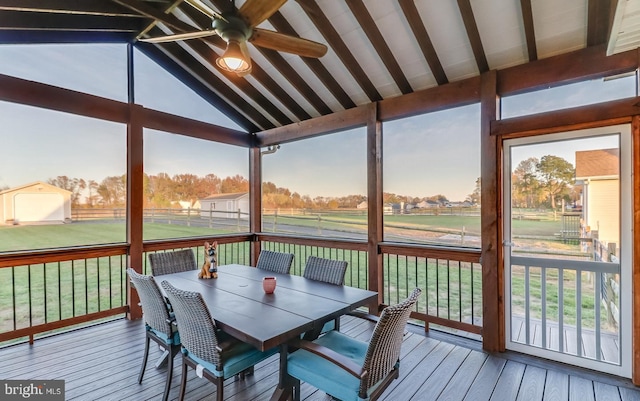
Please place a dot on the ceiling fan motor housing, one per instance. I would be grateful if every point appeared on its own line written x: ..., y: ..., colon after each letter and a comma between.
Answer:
x: 232, y: 27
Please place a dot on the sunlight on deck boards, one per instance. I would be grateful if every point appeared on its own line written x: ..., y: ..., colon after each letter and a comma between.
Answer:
x: 102, y: 363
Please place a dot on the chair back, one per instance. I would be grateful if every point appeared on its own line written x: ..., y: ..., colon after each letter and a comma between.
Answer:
x: 383, y: 352
x: 197, y: 328
x: 277, y: 262
x: 327, y: 270
x: 172, y: 262
x: 154, y: 307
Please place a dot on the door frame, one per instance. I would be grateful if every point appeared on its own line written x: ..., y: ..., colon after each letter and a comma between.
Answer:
x: 626, y: 245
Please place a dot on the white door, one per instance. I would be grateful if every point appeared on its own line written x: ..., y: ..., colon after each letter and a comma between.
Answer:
x: 34, y: 207
x: 567, y: 247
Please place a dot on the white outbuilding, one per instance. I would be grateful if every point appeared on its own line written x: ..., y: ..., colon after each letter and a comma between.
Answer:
x: 37, y: 202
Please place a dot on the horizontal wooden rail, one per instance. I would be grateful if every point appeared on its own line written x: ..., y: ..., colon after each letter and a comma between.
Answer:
x: 60, y: 255
x: 42, y: 328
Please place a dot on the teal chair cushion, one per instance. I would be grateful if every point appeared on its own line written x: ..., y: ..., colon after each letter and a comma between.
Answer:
x: 173, y: 340
x: 323, y: 374
x: 236, y: 359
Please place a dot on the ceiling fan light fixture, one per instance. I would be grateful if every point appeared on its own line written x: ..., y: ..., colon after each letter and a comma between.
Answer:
x: 233, y: 59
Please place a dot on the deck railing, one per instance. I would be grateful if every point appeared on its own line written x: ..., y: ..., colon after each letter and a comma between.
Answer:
x: 62, y: 288
x: 55, y: 289
x: 559, y: 306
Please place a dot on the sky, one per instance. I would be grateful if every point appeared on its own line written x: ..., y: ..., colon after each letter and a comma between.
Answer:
x: 435, y: 153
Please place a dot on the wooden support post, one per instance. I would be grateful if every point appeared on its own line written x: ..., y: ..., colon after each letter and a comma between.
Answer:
x: 635, y: 140
x: 493, y: 335
x: 135, y: 212
x: 255, y: 200
x: 374, y: 193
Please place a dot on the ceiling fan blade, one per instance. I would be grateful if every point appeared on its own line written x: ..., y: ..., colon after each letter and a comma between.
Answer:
x: 286, y: 43
x: 256, y: 11
x: 179, y: 36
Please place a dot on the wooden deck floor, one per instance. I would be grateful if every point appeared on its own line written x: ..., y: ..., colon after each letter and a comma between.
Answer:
x: 102, y: 362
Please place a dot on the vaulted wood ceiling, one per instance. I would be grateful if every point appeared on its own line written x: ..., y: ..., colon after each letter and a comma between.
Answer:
x: 378, y: 49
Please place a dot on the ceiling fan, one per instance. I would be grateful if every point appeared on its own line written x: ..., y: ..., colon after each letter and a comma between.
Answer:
x: 238, y: 26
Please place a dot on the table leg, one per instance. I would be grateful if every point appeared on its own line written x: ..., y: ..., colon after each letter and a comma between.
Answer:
x: 284, y: 391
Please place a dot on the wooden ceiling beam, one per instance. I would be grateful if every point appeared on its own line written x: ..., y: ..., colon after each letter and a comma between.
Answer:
x: 589, y: 63
x: 473, y: 34
x: 256, y: 71
x: 334, y: 122
x: 598, y: 20
x: 10, y: 20
x: 282, y: 25
x: 324, y: 26
x: 412, y: 15
x: 206, y: 85
x: 39, y: 36
x: 84, y: 7
x: 368, y: 25
x: 529, y: 31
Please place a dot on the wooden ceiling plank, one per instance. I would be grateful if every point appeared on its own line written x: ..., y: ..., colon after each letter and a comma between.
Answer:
x: 256, y: 71
x: 171, y: 56
x: 282, y: 25
x: 84, y: 7
x: 529, y: 31
x: 368, y: 25
x: 473, y: 34
x: 412, y: 15
x: 334, y: 40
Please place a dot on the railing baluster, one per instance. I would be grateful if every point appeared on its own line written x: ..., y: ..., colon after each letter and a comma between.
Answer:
x: 543, y: 295
x: 598, y: 303
x: 59, y: 293
x: 579, y: 312
x: 527, y: 305
x: 561, y: 310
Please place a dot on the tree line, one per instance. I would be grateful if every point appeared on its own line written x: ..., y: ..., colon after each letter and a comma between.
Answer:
x: 536, y: 183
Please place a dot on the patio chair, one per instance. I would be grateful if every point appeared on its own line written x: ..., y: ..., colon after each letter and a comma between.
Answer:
x: 277, y: 262
x: 172, y: 262
x: 213, y: 354
x: 328, y: 271
x: 350, y: 369
x: 158, y: 324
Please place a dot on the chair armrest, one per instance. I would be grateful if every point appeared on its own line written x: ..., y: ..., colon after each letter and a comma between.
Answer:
x: 363, y: 315
x: 330, y: 355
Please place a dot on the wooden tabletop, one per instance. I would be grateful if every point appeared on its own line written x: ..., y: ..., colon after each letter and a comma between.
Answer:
x: 240, y: 307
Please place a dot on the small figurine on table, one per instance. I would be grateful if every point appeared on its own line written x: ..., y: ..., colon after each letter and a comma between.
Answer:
x: 210, y: 266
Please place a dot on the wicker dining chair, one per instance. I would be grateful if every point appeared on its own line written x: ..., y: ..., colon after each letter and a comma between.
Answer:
x: 328, y: 271
x: 213, y: 354
x: 172, y: 262
x: 157, y: 318
x: 277, y: 262
x: 350, y: 369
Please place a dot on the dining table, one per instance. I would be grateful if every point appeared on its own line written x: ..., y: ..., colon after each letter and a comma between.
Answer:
x: 240, y: 307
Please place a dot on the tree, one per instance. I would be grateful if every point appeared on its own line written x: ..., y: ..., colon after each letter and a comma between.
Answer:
x: 525, y: 182
x: 73, y: 185
x: 556, y: 175
x: 237, y: 183
x: 474, y: 197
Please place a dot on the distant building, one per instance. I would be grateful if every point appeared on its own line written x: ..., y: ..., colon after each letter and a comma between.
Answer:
x: 37, y: 202
x: 362, y: 205
x: 599, y: 173
x: 225, y: 205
